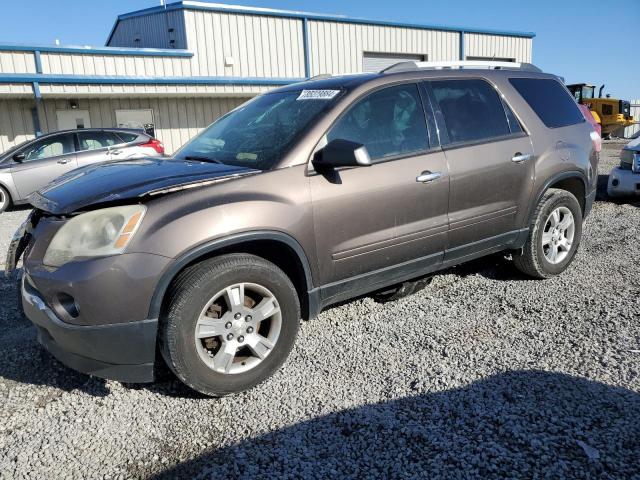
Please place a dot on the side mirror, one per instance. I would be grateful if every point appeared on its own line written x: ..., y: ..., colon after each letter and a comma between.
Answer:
x: 19, y: 157
x: 341, y: 153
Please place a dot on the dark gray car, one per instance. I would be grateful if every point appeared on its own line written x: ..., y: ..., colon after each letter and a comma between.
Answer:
x: 31, y: 165
x: 305, y: 196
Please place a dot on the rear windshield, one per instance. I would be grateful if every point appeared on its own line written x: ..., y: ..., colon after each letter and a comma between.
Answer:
x: 550, y: 100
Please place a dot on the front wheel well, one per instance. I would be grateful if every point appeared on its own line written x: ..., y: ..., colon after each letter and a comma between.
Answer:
x: 7, y: 201
x: 274, y: 251
x: 573, y: 185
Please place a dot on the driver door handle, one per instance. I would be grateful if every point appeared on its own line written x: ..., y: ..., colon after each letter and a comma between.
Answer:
x: 520, y: 157
x: 63, y: 161
x: 427, y: 176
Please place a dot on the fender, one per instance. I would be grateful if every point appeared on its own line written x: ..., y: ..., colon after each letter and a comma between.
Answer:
x: 219, y: 243
x: 522, y: 238
x: 13, y: 193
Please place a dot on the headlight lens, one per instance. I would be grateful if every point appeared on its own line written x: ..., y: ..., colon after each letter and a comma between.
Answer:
x: 94, y: 234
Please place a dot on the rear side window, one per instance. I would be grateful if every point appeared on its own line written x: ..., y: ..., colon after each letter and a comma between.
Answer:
x: 549, y: 99
x: 96, y: 140
x: 127, y: 137
x: 472, y: 110
x: 389, y: 122
x: 514, y: 124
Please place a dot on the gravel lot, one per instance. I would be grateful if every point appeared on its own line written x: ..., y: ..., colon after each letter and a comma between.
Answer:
x: 483, y: 374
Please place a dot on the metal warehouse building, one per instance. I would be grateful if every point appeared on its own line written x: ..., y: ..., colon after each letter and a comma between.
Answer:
x: 180, y: 66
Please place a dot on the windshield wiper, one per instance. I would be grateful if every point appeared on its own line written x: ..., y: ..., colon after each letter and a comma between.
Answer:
x: 203, y: 159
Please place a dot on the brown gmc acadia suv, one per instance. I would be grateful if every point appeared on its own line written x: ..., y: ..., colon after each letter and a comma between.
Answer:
x: 305, y: 196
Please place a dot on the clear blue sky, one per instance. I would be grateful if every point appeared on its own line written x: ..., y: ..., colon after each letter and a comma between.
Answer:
x: 584, y: 41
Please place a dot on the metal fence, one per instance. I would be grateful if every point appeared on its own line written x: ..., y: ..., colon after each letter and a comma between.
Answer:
x: 635, y: 111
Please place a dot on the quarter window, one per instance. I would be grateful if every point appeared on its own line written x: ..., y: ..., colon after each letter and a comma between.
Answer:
x: 96, y: 140
x: 388, y: 122
x: 550, y: 100
x: 126, y: 137
x: 472, y: 110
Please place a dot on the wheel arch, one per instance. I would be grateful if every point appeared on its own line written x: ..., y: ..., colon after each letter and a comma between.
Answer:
x: 10, y: 192
x: 574, y: 182
x: 276, y: 247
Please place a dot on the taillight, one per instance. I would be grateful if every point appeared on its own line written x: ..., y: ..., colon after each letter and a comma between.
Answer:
x: 155, y: 144
x: 597, y: 141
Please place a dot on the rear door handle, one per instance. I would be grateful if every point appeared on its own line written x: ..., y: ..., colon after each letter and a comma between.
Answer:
x: 521, y: 157
x: 426, y: 177
x: 116, y: 152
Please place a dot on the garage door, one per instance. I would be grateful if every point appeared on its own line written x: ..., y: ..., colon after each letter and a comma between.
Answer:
x: 374, y: 62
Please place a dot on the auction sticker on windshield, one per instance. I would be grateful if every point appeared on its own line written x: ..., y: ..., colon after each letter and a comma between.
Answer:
x: 317, y: 94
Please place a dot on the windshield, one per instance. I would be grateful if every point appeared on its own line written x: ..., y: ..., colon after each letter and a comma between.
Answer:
x: 13, y: 149
x: 259, y: 133
x: 587, y: 92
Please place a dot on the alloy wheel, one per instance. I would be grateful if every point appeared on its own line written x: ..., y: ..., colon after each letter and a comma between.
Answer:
x: 238, y: 328
x: 558, y: 234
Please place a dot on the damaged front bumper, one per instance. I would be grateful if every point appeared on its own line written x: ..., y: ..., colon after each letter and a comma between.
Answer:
x: 18, y: 244
x: 123, y: 352
x: 623, y: 182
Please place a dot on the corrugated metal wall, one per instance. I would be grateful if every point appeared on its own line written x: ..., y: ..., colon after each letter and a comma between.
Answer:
x: 176, y: 119
x: 338, y: 47
x: 257, y: 46
x: 129, y: 65
x: 152, y: 31
x: 79, y: 91
x: 635, y: 111
x: 16, y: 90
x: 17, y: 62
x: 488, y: 46
x: 16, y: 122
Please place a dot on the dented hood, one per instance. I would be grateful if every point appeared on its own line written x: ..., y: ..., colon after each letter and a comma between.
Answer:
x: 116, y: 181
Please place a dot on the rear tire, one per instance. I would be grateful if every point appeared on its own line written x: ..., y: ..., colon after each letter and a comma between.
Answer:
x: 554, y: 236
x: 5, y: 199
x: 229, y: 324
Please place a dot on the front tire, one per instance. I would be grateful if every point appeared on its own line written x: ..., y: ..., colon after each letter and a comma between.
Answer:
x: 229, y: 324
x: 5, y: 199
x: 554, y: 236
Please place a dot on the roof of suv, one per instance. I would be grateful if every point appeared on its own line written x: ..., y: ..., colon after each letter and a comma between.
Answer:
x: 352, y: 81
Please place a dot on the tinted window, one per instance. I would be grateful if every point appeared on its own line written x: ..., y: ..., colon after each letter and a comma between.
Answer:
x: 388, y: 122
x: 96, y: 140
x: 49, y: 147
x: 472, y: 110
x: 260, y: 132
x: 127, y: 137
x: 549, y: 99
x: 514, y: 124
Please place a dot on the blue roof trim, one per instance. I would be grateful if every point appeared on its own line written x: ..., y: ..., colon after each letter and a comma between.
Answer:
x: 189, y: 5
x: 126, y: 80
x: 148, y: 52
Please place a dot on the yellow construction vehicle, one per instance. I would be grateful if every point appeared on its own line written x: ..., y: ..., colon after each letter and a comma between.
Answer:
x: 612, y: 114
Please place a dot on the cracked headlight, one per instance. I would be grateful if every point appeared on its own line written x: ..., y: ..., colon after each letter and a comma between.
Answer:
x: 94, y: 234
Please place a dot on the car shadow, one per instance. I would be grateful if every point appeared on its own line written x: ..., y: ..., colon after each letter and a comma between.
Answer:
x: 497, y: 266
x: 19, y: 208
x: 519, y: 424
x: 25, y: 361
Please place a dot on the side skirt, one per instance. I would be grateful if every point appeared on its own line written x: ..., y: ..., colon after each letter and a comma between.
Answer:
x: 359, y: 285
